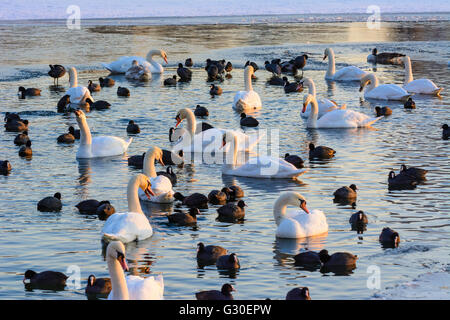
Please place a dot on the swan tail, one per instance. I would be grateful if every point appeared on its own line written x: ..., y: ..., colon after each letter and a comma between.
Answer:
x: 406, y: 97
x: 110, y: 237
x: 300, y: 172
x: 106, y: 66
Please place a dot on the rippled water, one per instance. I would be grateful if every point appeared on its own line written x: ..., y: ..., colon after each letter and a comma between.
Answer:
x: 53, y: 241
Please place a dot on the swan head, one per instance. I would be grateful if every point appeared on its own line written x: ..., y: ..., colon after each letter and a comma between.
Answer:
x: 181, y: 115
x: 160, y: 53
x: 157, y: 153
x: 80, y: 115
x: 327, y: 52
x: 145, y: 184
x: 116, y: 251
x: 367, y: 79
x: 307, y: 100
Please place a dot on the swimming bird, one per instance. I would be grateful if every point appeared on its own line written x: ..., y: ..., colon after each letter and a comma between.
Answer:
x: 137, y: 72
x: 133, y: 224
x: 77, y: 94
x: 236, y: 192
x: 13, y: 125
x: 358, y: 219
x: 258, y: 166
x: 50, y: 204
x: 248, y: 121
x: 189, y: 63
x: 385, y: 57
x: 99, y: 105
x: 416, y: 173
x: 184, y: 219
x: 21, y: 138
x: 104, y: 210
x: 292, y: 87
x: 419, y: 86
x: 93, y: 86
x: 384, y: 111
x: 66, y: 138
x: 201, y: 111
x: 123, y: 63
x: 401, y: 181
x: 161, y: 185
x: 308, y: 259
x: 339, y: 261
x: 56, y: 71
x: 409, y: 104
x: 207, y: 255
x: 223, y: 294
x: 232, y: 212
x: 11, y: 116
x: 320, y: 152
x: 219, y: 196
x: 445, y: 131
x: 133, y: 127
x: 335, y: 119
x: 345, y: 193
x: 215, y: 90
x: 213, y: 72
x: 97, y: 287
x: 130, y: 287
x: 295, y: 160
x: 106, y: 82
x: 325, y: 105
x: 197, y: 200
x: 46, y: 280
x: 301, y: 293
x: 29, y: 92
x: 169, y: 174
x: 90, y: 206
x: 378, y: 91
x: 75, y: 133
x: 184, y: 73
x: 248, y: 99
x: 389, y: 238
x: 228, y: 262
x: 171, y: 81
x: 100, y: 146
x: 63, y: 103
x: 25, y: 150
x: 300, y: 223
x: 5, y: 167
x: 350, y: 73
x: 123, y: 92
x: 276, y: 81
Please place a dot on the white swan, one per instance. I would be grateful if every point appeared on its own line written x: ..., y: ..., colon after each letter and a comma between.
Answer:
x: 325, y: 105
x: 350, y: 73
x: 137, y: 72
x: 297, y: 224
x: 122, y: 64
x: 248, y: 99
x: 209, y: 140
x: 382, y: 91
x: 161, y: 185
x: 336, y: 118
x: 131, y: 287
x: 257, y: 167
x: 132, y: 225
x: 78, y: 94
x: 421, y: 86
x: 101, y: 146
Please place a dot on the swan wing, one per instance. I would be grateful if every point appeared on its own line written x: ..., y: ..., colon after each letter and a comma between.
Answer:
x: 150, y: 288
x: 423, y: 86
x: 265, y: 167
x: 76, y: 93
x: 350, y: 73
x: 127, y: 227
x: 387, y: 92
x: 124, y: 63
x: 244, y: 100
x: 299, y: 224
x: 106, y: 146
x: 345, y: 119
x: 325, y: 105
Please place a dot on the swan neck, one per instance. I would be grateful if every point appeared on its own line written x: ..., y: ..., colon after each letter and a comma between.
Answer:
x: 118, y: 282
x: 248, y: 80
x: 85, y: 132
x: 331, y: 67
x: 373, y: 82
x: 132, y: 196
x: 73, y: 78
x: 311, y: 87
x: 408, y: 71
x: 312, y: 118
x: 191, y: 123
x: 279, y: 209
x: 149, y: 164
